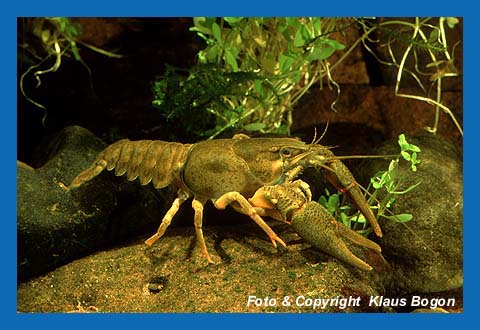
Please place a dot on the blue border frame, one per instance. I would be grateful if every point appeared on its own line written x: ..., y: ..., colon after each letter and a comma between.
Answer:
x: 113, y: 8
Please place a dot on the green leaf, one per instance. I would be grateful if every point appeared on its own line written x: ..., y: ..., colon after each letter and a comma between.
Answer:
x: 299, y: 41
x: 433, y: 36
x: 323, y: 201
x: 324, y: 50
x: 375, y: 183
x: 254, y: 127
x: 45, y: 35
x: 258, y: 87
x: 333, y: 202
x: 232, y: 20
x: 356, y: 218
x: 413, y: 148
x: 62, y: 22
x: 285, y: 63
x: 317, y: 26
x: 302, y: 36
x: 381, y: 179
x: 345, y: 219
x: 212, y: 54
x: 306, y: 34
x: 320, y: 53
x: 404, y: 217
x: 392, y: 167
x: 294, y: 22
x: 200, y: 26
x: 390, y: 202
x: 415, y: 162
x: 405, y: 146
x: 405, y: 155
x: 335, y: 44
x: 230, y: 59
x: 202, y: 58
x: 75, y: 52
x: 452, y: 21
x: 360, y: 218
x: 201, y: 35
x: 297, y: 76
x: 217, y: 32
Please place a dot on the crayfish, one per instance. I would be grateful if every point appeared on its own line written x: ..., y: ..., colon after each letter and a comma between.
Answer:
x: 224, y: 171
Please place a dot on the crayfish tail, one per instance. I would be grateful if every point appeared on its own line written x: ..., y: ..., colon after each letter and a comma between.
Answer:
x: 88, y: 174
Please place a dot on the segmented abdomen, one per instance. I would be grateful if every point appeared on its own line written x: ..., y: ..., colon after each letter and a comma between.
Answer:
x: 148, y: 160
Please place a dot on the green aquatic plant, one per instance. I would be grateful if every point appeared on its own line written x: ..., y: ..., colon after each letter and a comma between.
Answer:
x: 280, y: 59
x: 386, y: 184
x: 425, y: 35
x: 264, y: 66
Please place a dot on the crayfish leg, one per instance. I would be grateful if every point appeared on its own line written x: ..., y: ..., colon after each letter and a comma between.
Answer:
x: 197, y: 206
x: 262, y: 212
x: 167, y: 219
x: 243, y: 206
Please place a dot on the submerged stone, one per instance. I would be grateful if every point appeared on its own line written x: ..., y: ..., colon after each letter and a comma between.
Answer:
x: 426, y: 253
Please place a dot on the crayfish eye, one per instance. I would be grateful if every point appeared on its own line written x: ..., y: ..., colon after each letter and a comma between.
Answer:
x: 286, y: 152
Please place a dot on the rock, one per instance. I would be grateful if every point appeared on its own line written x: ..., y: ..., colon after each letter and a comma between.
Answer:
x: 352, y: 69
x: 366, y: 114
x: 425, y: 253
x: 55, y: 225
x: 173, y: 276
x: 428, y: 310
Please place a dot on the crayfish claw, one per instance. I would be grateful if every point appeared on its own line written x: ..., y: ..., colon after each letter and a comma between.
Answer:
x: 341, y: 178
x: 312, y: 221
x: 317, y: 226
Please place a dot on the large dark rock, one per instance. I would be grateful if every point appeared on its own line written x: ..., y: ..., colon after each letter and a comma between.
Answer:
x: 426, y: 253
x: 55, y: 225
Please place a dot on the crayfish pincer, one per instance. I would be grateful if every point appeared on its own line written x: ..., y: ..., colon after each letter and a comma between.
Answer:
x: 291, y: 202
x: 224, y: 171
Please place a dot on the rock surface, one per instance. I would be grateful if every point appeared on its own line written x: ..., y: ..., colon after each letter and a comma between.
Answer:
x: 173, y: 276
x: 368, y: 114
x: 426, y: 253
